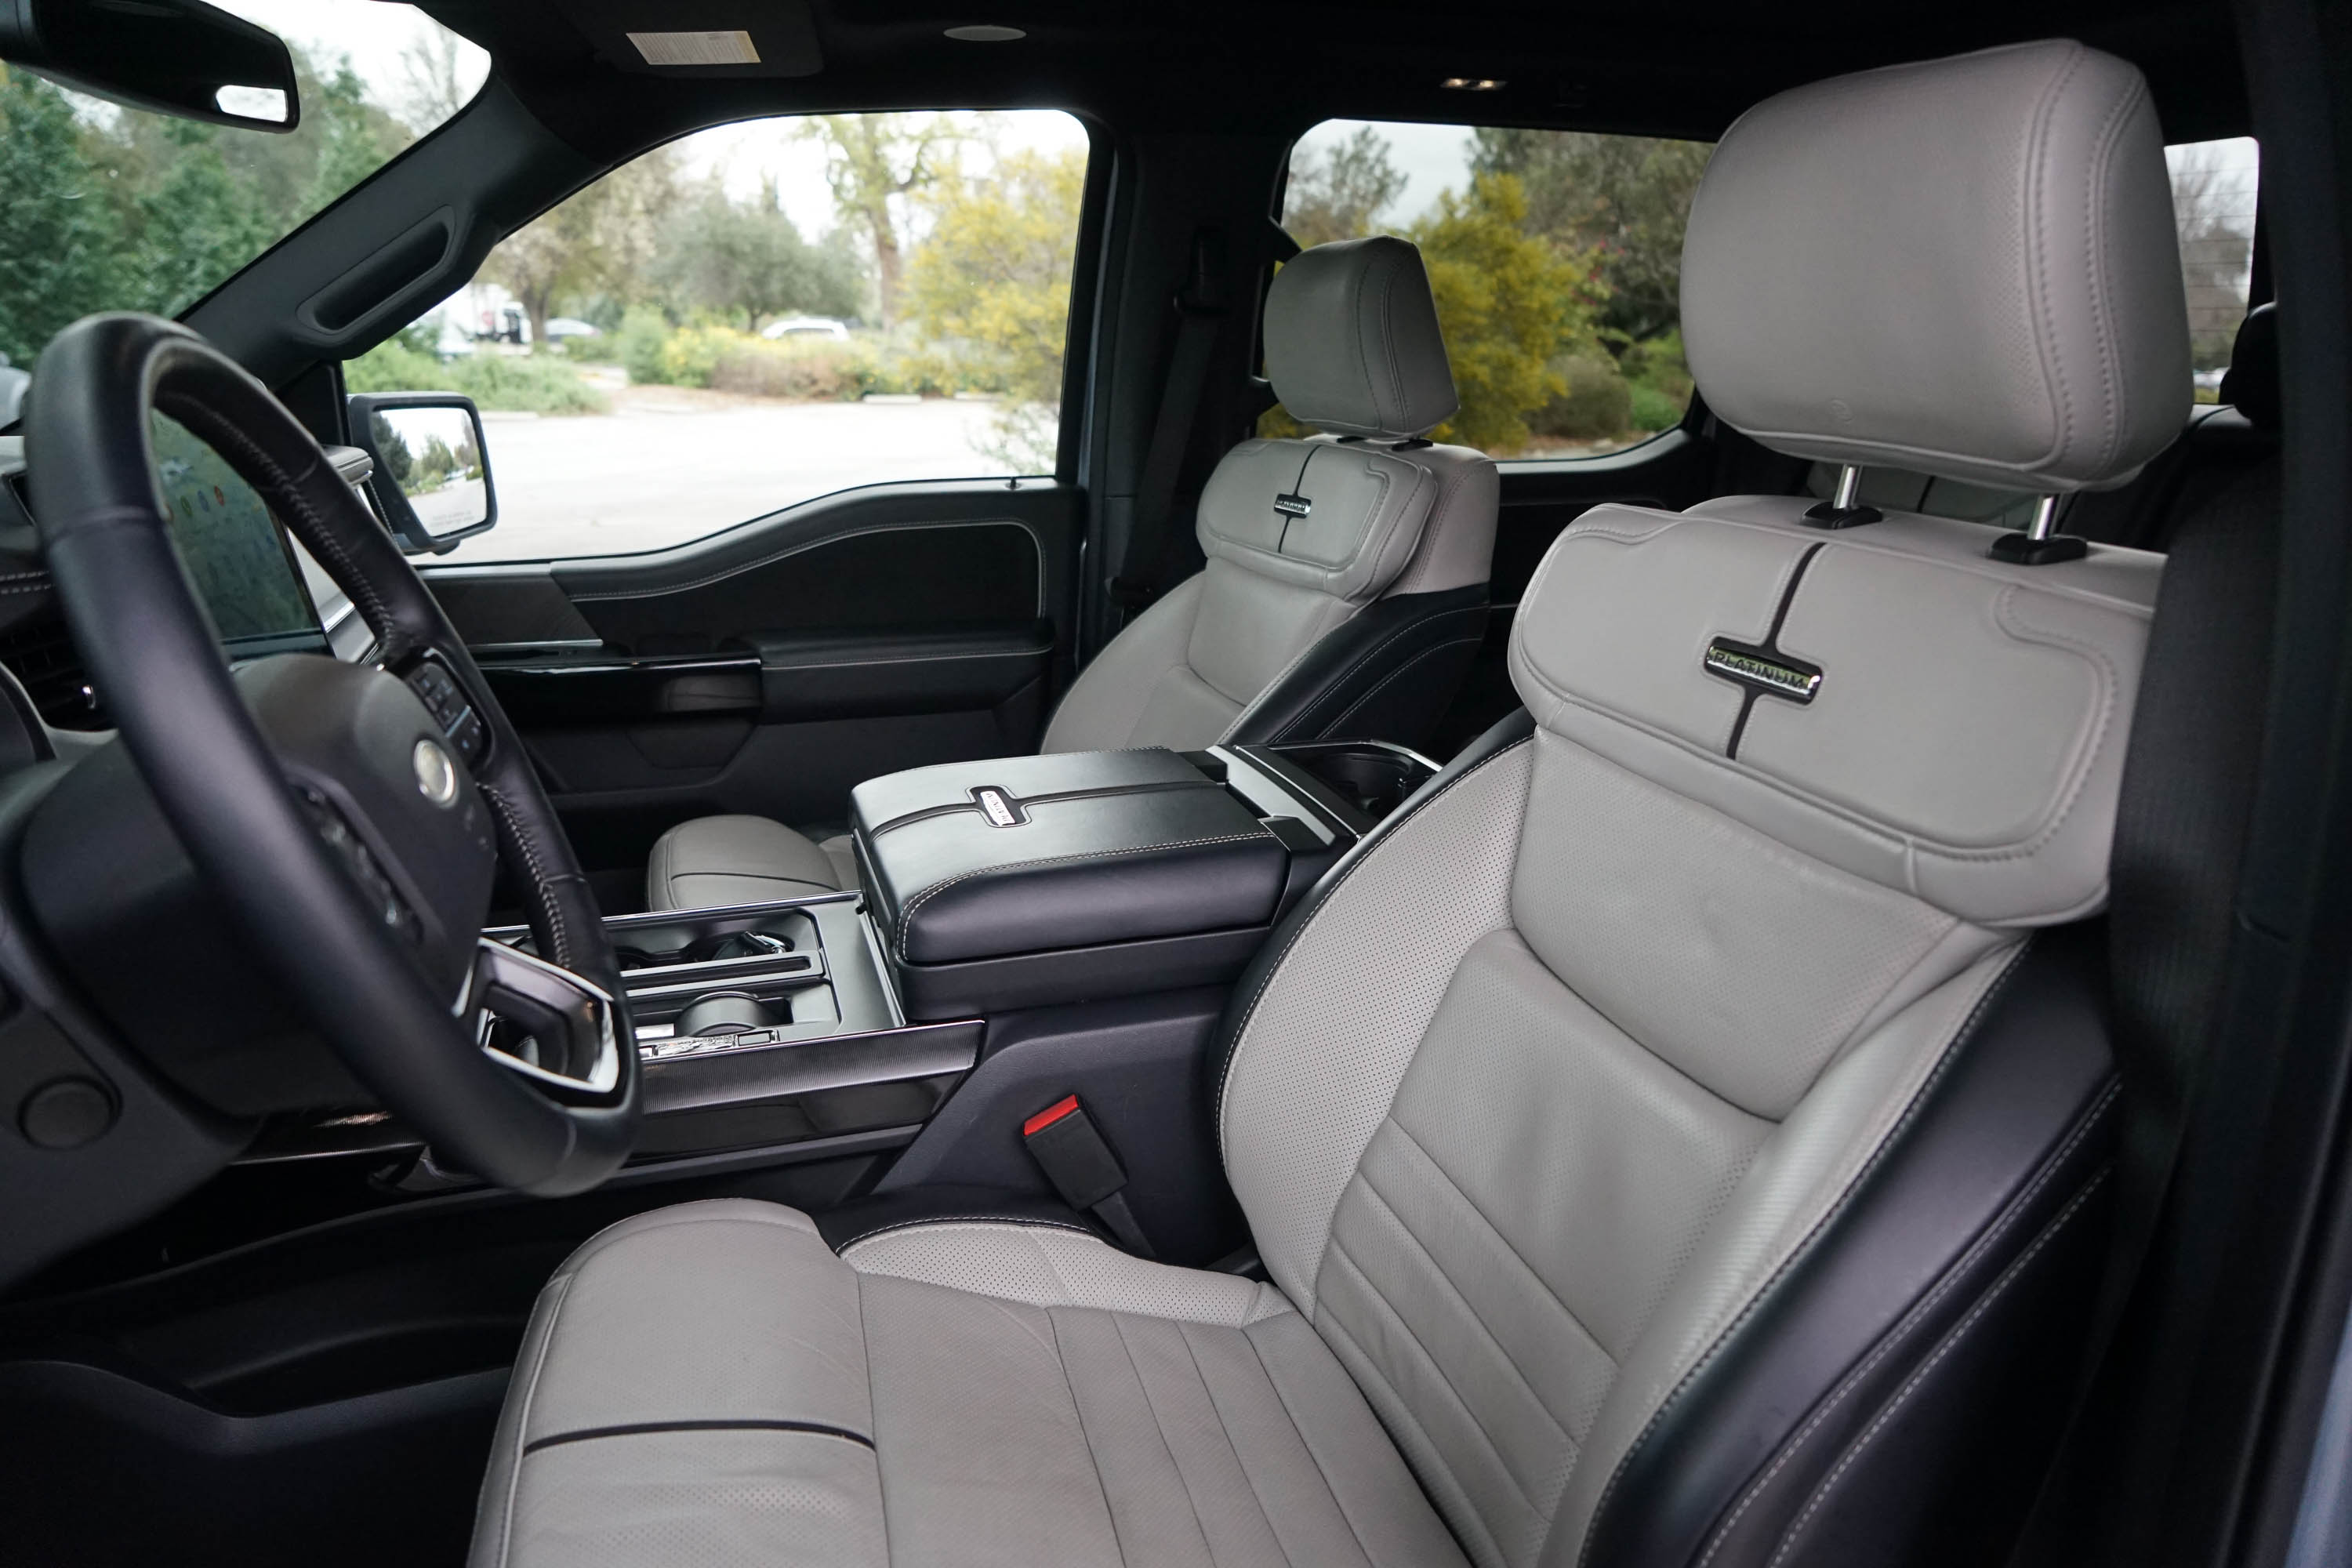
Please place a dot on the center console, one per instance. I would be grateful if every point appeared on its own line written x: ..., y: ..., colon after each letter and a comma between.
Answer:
x: 1032, y: 887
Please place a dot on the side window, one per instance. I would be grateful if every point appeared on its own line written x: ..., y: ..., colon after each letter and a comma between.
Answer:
x: 1556, y: 258
x: 2213, y: 189
x: 760, y: 314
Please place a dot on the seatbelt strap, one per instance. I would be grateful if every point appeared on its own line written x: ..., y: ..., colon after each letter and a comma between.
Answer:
x: 1078, y: 1160
x: 1199, y: 313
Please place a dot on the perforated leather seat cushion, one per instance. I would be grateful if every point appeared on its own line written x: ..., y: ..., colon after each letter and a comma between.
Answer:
x: 708, y: 1385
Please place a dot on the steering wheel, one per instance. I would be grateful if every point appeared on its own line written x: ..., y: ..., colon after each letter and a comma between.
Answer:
x: 322, y: 802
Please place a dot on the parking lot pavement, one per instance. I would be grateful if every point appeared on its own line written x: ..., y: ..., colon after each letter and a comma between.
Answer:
x: 667, y: 467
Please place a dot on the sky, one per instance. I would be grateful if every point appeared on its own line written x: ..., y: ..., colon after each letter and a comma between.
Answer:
x: 371, y: 33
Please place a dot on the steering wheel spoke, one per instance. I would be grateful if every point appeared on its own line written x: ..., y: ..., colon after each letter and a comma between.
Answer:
x: 558, y: 1032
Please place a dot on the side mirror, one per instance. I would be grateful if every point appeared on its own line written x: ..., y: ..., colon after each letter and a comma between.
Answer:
x: 432, y: 476
x: 175, y: 56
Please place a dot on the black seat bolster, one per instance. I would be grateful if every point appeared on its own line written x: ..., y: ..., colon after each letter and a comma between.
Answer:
x: 1386, y: 674
x: 1893, y: 1395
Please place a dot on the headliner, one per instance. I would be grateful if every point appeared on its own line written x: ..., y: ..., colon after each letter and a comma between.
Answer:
x: 1221, y: 66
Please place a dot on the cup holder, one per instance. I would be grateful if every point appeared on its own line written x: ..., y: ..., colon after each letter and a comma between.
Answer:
x: 706, y: 950
x: 1374, y: 776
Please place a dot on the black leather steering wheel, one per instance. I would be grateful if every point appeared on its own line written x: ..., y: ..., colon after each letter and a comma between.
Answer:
x: 322, y: 801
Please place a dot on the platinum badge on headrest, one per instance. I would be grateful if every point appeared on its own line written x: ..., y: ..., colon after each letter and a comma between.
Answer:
x: 1762, y: 669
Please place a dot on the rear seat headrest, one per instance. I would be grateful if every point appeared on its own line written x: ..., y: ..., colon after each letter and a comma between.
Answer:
x: 1353, y: 344
x: 2251, y: 385
x: 1966, y: 267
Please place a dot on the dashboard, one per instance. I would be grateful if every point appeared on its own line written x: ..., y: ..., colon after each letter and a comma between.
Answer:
x: 263, y: 591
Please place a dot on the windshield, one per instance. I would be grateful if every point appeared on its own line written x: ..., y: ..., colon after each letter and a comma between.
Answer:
x: 107, y: 209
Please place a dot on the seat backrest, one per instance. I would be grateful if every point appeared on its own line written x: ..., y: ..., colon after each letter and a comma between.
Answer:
x: 1346, y: 581
x: 1686, y: 1120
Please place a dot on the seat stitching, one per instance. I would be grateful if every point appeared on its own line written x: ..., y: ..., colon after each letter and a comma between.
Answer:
x: 1844, y: 1199
x: 873, y: 1411
x: 1436, y: 1456
x: 1432, y: 528
x: 1925, y: 1304
x: 561, y: 1291
x: 1151, y: 1406
x: 1340, y: 1250
x: 864, y: 1236
x: 1852, y: 1035
x: 1493, y: 1229
x: 1284, y: 673
x: 1322, y: 1477
x: 1477, y: 1322
x: 648, y: 1223
x: 1070, y: 1387
x: 1394, y: 826
x: 1425, y: 653
x: 1960, y: 1331
x: 1417, y: 624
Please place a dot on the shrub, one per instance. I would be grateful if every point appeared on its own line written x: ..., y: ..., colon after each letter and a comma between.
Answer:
x: 395, y: 365
x: 820, y: 369
x: 691, y: 353
x: 503, y: 383
x: 1654, y: 410
x: 1594, y: 403
x: 525, y: 384
x: 638, y: 343
x: 1661, y: 380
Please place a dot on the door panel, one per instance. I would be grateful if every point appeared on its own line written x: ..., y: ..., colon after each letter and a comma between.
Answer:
x: 773, y: 666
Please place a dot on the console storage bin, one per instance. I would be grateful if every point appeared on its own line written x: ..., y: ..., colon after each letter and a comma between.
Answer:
x: 1017, y: 881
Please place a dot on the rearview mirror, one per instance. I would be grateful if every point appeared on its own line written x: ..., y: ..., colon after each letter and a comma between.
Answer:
x: 432, y: 478
x: 175, y: 57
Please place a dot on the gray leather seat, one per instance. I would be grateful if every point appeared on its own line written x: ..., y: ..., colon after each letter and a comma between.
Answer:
x: 1715, y: 1176
x: 1345, y: 590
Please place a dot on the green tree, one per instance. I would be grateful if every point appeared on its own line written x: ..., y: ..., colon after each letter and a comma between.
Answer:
x: 1342, y: 194
x: 873, y: 162
x: 606, y: 238
x: 354, y: 138
x: 1627, y: 198
x: 990, y: 289
x: 197, y: 223
x: 1509, y: 303
x: 60, y: 238
x: 747, y: 258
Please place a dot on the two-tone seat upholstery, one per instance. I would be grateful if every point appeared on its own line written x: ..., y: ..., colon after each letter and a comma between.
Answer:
x: 1679, y: 1134
x: 1345, y: 589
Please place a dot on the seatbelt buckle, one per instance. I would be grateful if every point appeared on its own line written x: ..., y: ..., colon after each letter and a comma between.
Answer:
x: 1129, y: 593
x: 1079, y: 1162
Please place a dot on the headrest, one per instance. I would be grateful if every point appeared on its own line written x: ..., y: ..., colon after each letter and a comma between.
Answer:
x: 1343, y: 519
x: 1351, y: 341
x: 2251, y: 385
x: 1884, y: 700
x: 1966, y: 267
